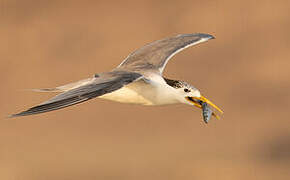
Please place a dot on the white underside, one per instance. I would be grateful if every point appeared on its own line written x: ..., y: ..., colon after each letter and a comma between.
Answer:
x: 155, y: 92
x: 146, y: 92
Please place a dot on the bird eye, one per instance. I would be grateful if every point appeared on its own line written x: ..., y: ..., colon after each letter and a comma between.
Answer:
x: 186, y: 90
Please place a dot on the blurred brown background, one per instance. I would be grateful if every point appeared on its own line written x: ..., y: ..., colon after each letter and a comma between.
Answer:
x: 245, y: 71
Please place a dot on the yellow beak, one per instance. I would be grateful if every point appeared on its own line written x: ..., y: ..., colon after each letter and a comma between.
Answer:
x: 195, y: 100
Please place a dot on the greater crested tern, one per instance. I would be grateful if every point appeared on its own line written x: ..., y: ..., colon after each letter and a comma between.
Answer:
x: 138, y: 79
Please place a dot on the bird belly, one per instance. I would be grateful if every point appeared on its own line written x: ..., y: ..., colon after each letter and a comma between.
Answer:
x: 126, y: 95
x: 141, y: 92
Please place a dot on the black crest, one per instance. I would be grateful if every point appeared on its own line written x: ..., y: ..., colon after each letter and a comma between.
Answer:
x: 173, y: 83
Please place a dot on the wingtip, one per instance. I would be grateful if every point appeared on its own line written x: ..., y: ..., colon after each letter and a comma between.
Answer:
x: 201, y: 35
x: 23, y: 113
x: 212, y: 37
x: 12, y: 116
x: 207, y: 36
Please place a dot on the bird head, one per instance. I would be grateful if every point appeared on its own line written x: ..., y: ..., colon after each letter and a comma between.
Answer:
x: 190, y: 95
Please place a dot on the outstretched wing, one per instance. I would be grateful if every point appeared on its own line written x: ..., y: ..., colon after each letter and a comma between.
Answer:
x: 154, y: 56
x: 104, y: 83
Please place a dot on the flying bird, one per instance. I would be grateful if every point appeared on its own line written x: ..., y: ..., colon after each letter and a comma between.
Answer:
x: 138, y: 79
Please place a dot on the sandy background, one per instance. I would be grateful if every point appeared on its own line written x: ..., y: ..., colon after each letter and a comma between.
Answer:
x: 245, y: 71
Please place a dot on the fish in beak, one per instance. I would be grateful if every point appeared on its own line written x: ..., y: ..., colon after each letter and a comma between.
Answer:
x: 205, y: 104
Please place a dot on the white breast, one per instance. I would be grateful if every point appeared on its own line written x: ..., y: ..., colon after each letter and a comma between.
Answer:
x: 141, y: 92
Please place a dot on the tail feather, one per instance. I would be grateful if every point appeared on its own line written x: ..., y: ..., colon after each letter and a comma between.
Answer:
x: 65, y: 87
x: 47, y: 90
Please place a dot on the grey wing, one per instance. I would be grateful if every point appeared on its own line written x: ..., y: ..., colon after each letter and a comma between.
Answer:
x: 154, y: 56
x: 105, y: 83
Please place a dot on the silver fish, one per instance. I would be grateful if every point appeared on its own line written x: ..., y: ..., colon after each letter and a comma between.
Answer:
x: 207, y: 112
